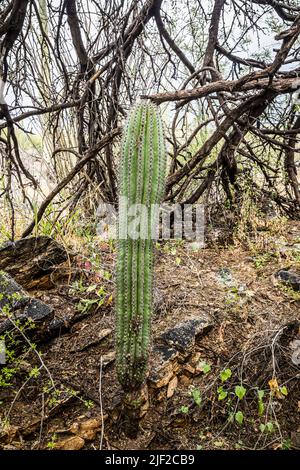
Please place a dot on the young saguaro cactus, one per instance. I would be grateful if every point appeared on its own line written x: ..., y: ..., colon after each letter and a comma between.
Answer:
x: 141, y: 187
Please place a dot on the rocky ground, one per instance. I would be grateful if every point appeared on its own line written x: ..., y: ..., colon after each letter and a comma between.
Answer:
x: 224, y: 367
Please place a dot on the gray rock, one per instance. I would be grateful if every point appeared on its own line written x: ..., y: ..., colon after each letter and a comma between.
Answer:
x: 37, y: 310
x: 225, y: 276
x: 165, y: 353
x: 58, y: 326
x: 182, y: 337
x: 173, y: 347
x: 289, y: 278
x: 17, y: 305
x: 295, y: 347
x: 11, y: 293
x: 163, y: 365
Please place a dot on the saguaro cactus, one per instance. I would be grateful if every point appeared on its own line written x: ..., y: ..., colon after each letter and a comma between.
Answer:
x: 142, y: 179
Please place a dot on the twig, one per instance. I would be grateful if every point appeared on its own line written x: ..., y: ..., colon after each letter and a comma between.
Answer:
x: 100, y: 402
x: 42, y: 418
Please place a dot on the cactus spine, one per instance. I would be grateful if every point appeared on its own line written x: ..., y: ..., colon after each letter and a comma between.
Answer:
x: 142, y: 180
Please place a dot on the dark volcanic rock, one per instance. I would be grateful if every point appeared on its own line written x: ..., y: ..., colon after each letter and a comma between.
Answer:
x: 163, y: 364
x: 11, y: 293
x: 289, y: 278
x: 174, y: 346
x: 182, y: 337
x: 30, y: 259
x: 165, y: 353
x: 37, y: 311
x: 16, y: 304
x: 58, y: 326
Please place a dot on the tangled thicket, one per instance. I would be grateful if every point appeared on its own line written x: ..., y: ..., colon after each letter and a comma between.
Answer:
x: 225, y: 74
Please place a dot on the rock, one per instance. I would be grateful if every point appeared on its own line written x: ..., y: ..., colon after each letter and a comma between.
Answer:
x: 163, y: 364
x: 196, y: 358
x: 11, y: 293
x: 289, y: 332
x: 21, y: 307
x: 58, y: 326
x: 71, y: 443
x: 161, y: 395
x: 225, y: 277
x: 185, y: 380
x: 163, y: 381
x: 108, y: 358
x: 164, y: 354
x: 295, y: 347
x: 91, y: 423
x: 36, y: 310
x: 88, y: 429
x: 288, y: 344
x: 182, y: 337
x: 291, y: 279
x: 31, y: 260
x: 172, y: 387
x: 174, y: 346
x: 188, y: 368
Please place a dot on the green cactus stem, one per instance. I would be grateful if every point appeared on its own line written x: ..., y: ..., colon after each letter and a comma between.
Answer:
x: 142, y: 181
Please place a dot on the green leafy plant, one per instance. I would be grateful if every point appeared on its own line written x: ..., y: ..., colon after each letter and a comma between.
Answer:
x: 239, y: 417
x: 231, y: 397
x: 261, y: 260
x: 196, y: 395
x: 184, y: 409
x: 267, y: 427
x: 86, y: 304
x: 286, y: 444
x: 261, y: 406
x: 34, y: 372
x: 240, y: 391
x: 142, y: 180
x: 204, y: 367
x: 222, y: 394
x: 225, y: 375
x: 239, y: 445
x: 52, y: 443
